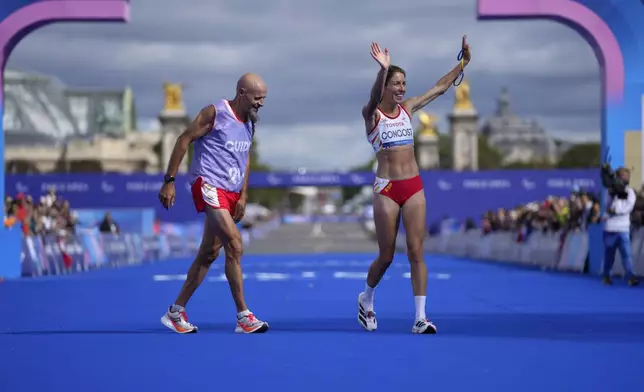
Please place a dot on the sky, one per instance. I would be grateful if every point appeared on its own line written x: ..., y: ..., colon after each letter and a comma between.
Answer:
x: 314, y: 56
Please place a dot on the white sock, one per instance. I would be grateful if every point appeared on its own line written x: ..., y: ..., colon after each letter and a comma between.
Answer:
x: 420, y: 307
x: 368, y: 294
x: 243, y: 313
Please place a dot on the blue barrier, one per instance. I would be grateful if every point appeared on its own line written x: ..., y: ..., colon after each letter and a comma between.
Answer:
x: 10, y: 262
x: 53, y: 255
x: 134, y: 220
x: 596, y: 253
x: 89, y: 249
x: 447, y: 193
x: 577, y: 251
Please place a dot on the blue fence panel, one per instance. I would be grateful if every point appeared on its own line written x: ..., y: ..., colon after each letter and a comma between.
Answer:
x: 447, y: 193
x: 132, y: 220
x: 469, y: 195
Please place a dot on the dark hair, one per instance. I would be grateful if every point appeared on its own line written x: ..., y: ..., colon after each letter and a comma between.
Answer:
x: 393, y: 69
x: 623, y: 169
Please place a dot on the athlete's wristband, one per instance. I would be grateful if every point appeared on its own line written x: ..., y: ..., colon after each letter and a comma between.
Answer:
x: 168, y: 179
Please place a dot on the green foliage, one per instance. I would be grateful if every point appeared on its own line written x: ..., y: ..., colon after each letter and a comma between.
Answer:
x: 269, y: 198
x: 585, y: 155
x: 489, y: 157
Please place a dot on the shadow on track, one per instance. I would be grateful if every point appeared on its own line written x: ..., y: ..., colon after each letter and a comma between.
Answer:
x: 601, y: 327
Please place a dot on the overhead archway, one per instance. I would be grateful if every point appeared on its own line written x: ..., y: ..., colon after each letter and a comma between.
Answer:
x: 614, y: 30
x: 17, y: 20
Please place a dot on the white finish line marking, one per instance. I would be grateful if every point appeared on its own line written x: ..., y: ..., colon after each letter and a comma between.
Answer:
x: 407, y: 275
x: 350, y: 275
x: 167, y: 278
x: 304, y: 275
x: 268, y: 276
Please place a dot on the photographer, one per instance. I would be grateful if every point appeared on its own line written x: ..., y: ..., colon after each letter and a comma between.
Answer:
x: 617, y: 222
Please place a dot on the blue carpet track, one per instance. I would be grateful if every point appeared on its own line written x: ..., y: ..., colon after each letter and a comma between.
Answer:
x: 500, y: 329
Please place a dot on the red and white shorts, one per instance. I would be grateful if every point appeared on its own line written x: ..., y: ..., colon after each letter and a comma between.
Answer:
x: 203, y: 193
x: 398, y: 190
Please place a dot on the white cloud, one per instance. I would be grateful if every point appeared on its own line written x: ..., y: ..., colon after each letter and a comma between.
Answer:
x: 141, y: 56
x: 316, y: 61
x: 314, y: 146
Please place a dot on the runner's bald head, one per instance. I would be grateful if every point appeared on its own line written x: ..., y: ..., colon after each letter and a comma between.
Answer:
x: 251, y: 82
x: 251, y: 92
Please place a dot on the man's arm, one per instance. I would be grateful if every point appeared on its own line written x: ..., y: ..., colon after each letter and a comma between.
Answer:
x: 244, y: 191
x: 624, y: 206
x: 414, y: 104
x: 203, y: 122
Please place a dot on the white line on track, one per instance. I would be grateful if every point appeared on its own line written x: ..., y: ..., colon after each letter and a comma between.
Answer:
x: 304, y: 275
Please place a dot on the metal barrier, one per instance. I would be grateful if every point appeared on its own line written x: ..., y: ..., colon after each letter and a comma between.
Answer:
x: 557, y: 251
x: 87, y: 250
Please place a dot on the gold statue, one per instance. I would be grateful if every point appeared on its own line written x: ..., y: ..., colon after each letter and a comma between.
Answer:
x: 428, y: 124
x: 463, y: 96
x: 173, y: 100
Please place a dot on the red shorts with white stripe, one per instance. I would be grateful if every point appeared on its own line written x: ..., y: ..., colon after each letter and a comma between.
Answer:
x: 204, y: 194
x: 398, y: 190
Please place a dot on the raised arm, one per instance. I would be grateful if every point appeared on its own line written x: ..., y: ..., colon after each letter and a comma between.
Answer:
x: 369, y: 110
x: 202, y: 123
x: 414, y: 104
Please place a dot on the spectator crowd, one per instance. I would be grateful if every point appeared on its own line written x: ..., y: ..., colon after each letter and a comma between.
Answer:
x: 49, y: 214
x: 555, y: 214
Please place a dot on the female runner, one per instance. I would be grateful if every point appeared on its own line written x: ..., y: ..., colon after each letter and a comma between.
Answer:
x: 398, y: 189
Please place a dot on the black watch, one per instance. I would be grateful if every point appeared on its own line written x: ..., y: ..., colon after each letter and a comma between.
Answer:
x: 168, y: 179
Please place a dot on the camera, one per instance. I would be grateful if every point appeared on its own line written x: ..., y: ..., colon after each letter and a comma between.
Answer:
x: 615, y: 185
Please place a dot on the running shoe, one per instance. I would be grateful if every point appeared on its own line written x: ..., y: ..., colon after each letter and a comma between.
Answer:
x: 178, y: 321
x: 366, y: 316
x: 424, y: 326
x: 250, y: 324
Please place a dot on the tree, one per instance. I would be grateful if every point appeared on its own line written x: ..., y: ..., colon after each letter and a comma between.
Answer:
x: 584, y: 155
x: 268, y: 197
x: 489, y: 157
x: 536, y: 164
x: 255, y: 164
x: 191, y: 152
x: 445, y: 151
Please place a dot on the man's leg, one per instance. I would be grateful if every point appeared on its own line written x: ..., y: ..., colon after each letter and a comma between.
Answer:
x: 208, y: 253
x: 386, y: 217
x: 226, y: 230
x: 414, y: 218
x: 176, y: 317
x: 610, y: 246
x: 624, y: 246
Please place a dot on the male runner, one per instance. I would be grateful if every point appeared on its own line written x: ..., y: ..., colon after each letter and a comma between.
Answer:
x: 222, y: 135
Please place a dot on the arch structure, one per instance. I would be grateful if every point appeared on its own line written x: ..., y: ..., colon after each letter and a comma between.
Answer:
x: 18, y: 18
x: 614, y: 30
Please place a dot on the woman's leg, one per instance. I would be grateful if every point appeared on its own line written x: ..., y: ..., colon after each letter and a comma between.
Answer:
x: 386, y: 217
x: 414, y: 220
